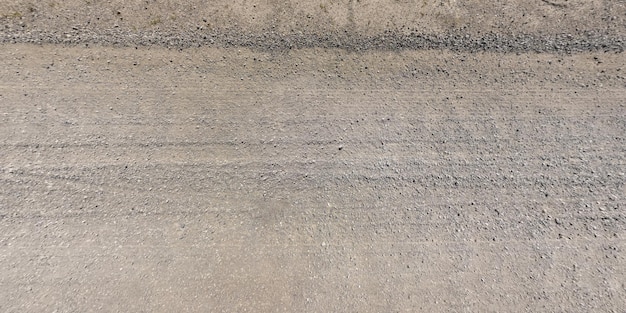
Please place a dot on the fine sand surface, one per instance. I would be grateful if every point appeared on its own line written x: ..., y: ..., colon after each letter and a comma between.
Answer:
x: 313, y: 156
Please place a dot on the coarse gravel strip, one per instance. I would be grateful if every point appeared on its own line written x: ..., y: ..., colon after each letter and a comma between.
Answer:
x: 389, y: 40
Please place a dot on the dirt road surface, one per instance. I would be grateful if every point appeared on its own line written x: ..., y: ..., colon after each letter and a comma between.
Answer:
x: 310, y: 158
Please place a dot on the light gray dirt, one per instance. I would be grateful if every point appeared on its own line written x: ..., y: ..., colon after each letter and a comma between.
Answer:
x: 226, y: 178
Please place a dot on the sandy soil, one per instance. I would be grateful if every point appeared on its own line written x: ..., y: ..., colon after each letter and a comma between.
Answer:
x: 335, y: 165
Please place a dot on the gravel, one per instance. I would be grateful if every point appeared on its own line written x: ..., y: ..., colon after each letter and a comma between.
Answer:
x: 388, y: 40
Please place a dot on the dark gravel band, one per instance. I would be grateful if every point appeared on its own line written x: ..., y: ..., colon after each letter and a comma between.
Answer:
x: 389, y: 40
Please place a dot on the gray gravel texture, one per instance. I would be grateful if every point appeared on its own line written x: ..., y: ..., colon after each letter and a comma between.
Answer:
x: 318, y: 156
x: 541, y: 26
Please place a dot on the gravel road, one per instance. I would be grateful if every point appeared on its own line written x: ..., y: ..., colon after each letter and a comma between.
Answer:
x: 328, y: 166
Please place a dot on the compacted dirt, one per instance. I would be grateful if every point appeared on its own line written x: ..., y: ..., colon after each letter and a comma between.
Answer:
x: 338, y: 156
